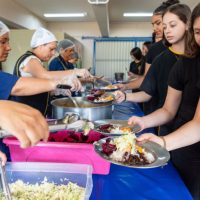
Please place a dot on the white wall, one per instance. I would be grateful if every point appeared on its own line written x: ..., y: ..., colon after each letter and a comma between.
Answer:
x: 21, y: 17
x: 134, y: 29
x: 77, y: 30
x: 14, y: 13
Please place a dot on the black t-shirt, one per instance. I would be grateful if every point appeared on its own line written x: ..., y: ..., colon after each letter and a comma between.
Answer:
x: 185, y: 77
x: 154, y: 51
x: 137, y: 68
x: 155, y: 82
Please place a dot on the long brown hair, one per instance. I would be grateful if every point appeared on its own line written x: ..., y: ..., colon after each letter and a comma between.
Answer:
x: 183, y: 12
x: 191, y: 47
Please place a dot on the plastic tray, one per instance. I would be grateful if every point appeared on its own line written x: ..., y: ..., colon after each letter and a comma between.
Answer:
x: 61, y: 173
x: 59, y: 152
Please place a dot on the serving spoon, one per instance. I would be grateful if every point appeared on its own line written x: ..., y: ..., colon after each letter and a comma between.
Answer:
x: 6, y: 188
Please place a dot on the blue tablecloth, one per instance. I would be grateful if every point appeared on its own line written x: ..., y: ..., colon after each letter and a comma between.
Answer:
x: 163, y: 183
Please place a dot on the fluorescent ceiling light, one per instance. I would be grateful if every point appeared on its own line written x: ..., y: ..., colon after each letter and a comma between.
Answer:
x: 137, y: 14
x: 65, y: 14
x: 98, y: 1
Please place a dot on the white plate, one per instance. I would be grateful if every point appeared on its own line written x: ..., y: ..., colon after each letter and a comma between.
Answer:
x: 160, y: 154
x: 120, y: 123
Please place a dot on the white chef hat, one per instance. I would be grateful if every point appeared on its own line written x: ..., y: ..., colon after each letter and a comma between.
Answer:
x: 3, y: 28
x: 65, y: 44
x: 42, y: 36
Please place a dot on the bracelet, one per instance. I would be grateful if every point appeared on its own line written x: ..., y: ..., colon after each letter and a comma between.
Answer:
x: 164, y: 141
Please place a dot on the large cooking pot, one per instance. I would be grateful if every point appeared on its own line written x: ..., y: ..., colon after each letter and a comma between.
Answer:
x: 86, y: 110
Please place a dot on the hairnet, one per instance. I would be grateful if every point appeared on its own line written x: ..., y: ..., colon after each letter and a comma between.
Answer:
x: 42, y: 36
x: 65, y: 44
x: 3, y: 28
x: 74, y: 55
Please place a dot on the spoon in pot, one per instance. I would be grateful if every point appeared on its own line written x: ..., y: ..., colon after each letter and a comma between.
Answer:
x: 6, y: 188
x: 74, y: 101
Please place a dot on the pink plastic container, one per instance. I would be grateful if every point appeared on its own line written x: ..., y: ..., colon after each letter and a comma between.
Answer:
x: 59, y: 152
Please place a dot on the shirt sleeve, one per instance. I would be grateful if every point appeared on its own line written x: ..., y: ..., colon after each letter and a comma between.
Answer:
x: 149, y: 83
x: 7, y: 82
x: 149, y: 56
x: 55, y: 65
x: 176, y: 76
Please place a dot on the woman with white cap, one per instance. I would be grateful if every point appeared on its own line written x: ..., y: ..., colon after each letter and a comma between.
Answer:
x: 43, y: 44
x: 23, y: 86
x: 18, y: 119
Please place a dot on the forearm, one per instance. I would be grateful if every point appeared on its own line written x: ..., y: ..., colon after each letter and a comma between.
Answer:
x: 134, y: 84
x: 55, y: 74
x: 157, y: 118
x: 138, y: 97
x: 30, y: 86
x: 184, y: 136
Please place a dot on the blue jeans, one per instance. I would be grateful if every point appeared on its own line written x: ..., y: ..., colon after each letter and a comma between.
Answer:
x: 127, y: 109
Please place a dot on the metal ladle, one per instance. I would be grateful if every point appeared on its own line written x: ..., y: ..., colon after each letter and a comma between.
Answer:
x: 74, y: 101
x: 6, y: 188
x: 68, y: 87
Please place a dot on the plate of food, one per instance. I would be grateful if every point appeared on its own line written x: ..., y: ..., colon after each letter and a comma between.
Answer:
x: 97, y: 92
x: 124, y: 150
x: 111, y: 127
x: 109, y: 88
x: 105, y: 98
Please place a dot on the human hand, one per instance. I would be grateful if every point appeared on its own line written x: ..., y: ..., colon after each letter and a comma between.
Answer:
x: 24, y: 122
x: 119, y: 96
x: 72, y: 81
x: 84, y: 73
x: 137, y: 121
x: 121, y: 86
x: 150, y: 137
x: 3, y: 158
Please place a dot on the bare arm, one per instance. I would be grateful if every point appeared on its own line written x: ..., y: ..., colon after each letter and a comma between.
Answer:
x: 137, y: 97
x: 162, y: 115
x: 35, y: 68
x: 30, y: 86
x: 167, y: 112
x: 136, y: 83
x: 187, y: 134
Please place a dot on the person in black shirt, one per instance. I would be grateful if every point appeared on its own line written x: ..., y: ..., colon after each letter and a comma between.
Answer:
x: 145, y: 47
x: 155, y: 82
x: 135, y: 68
x: 182, y: 107
x: 156, y: 48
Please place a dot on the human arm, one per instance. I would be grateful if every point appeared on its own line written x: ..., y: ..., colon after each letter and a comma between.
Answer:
x: 162, y: 115
x: 24, y: 122
x: 35, y: 67
x: 30, y: 86
x: 187, y: 134
x: 136, y: 83
x: 138, y: 97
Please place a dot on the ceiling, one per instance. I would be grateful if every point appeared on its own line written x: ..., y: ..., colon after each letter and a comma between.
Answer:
x: 103, y: 14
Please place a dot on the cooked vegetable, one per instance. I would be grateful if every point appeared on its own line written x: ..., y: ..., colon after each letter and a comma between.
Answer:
x: 45, y: 191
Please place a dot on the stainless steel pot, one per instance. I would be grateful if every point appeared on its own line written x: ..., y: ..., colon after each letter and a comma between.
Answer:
x: 86, y: 110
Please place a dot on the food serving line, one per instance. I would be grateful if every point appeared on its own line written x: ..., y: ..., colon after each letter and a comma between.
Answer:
x: 115, y: 181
